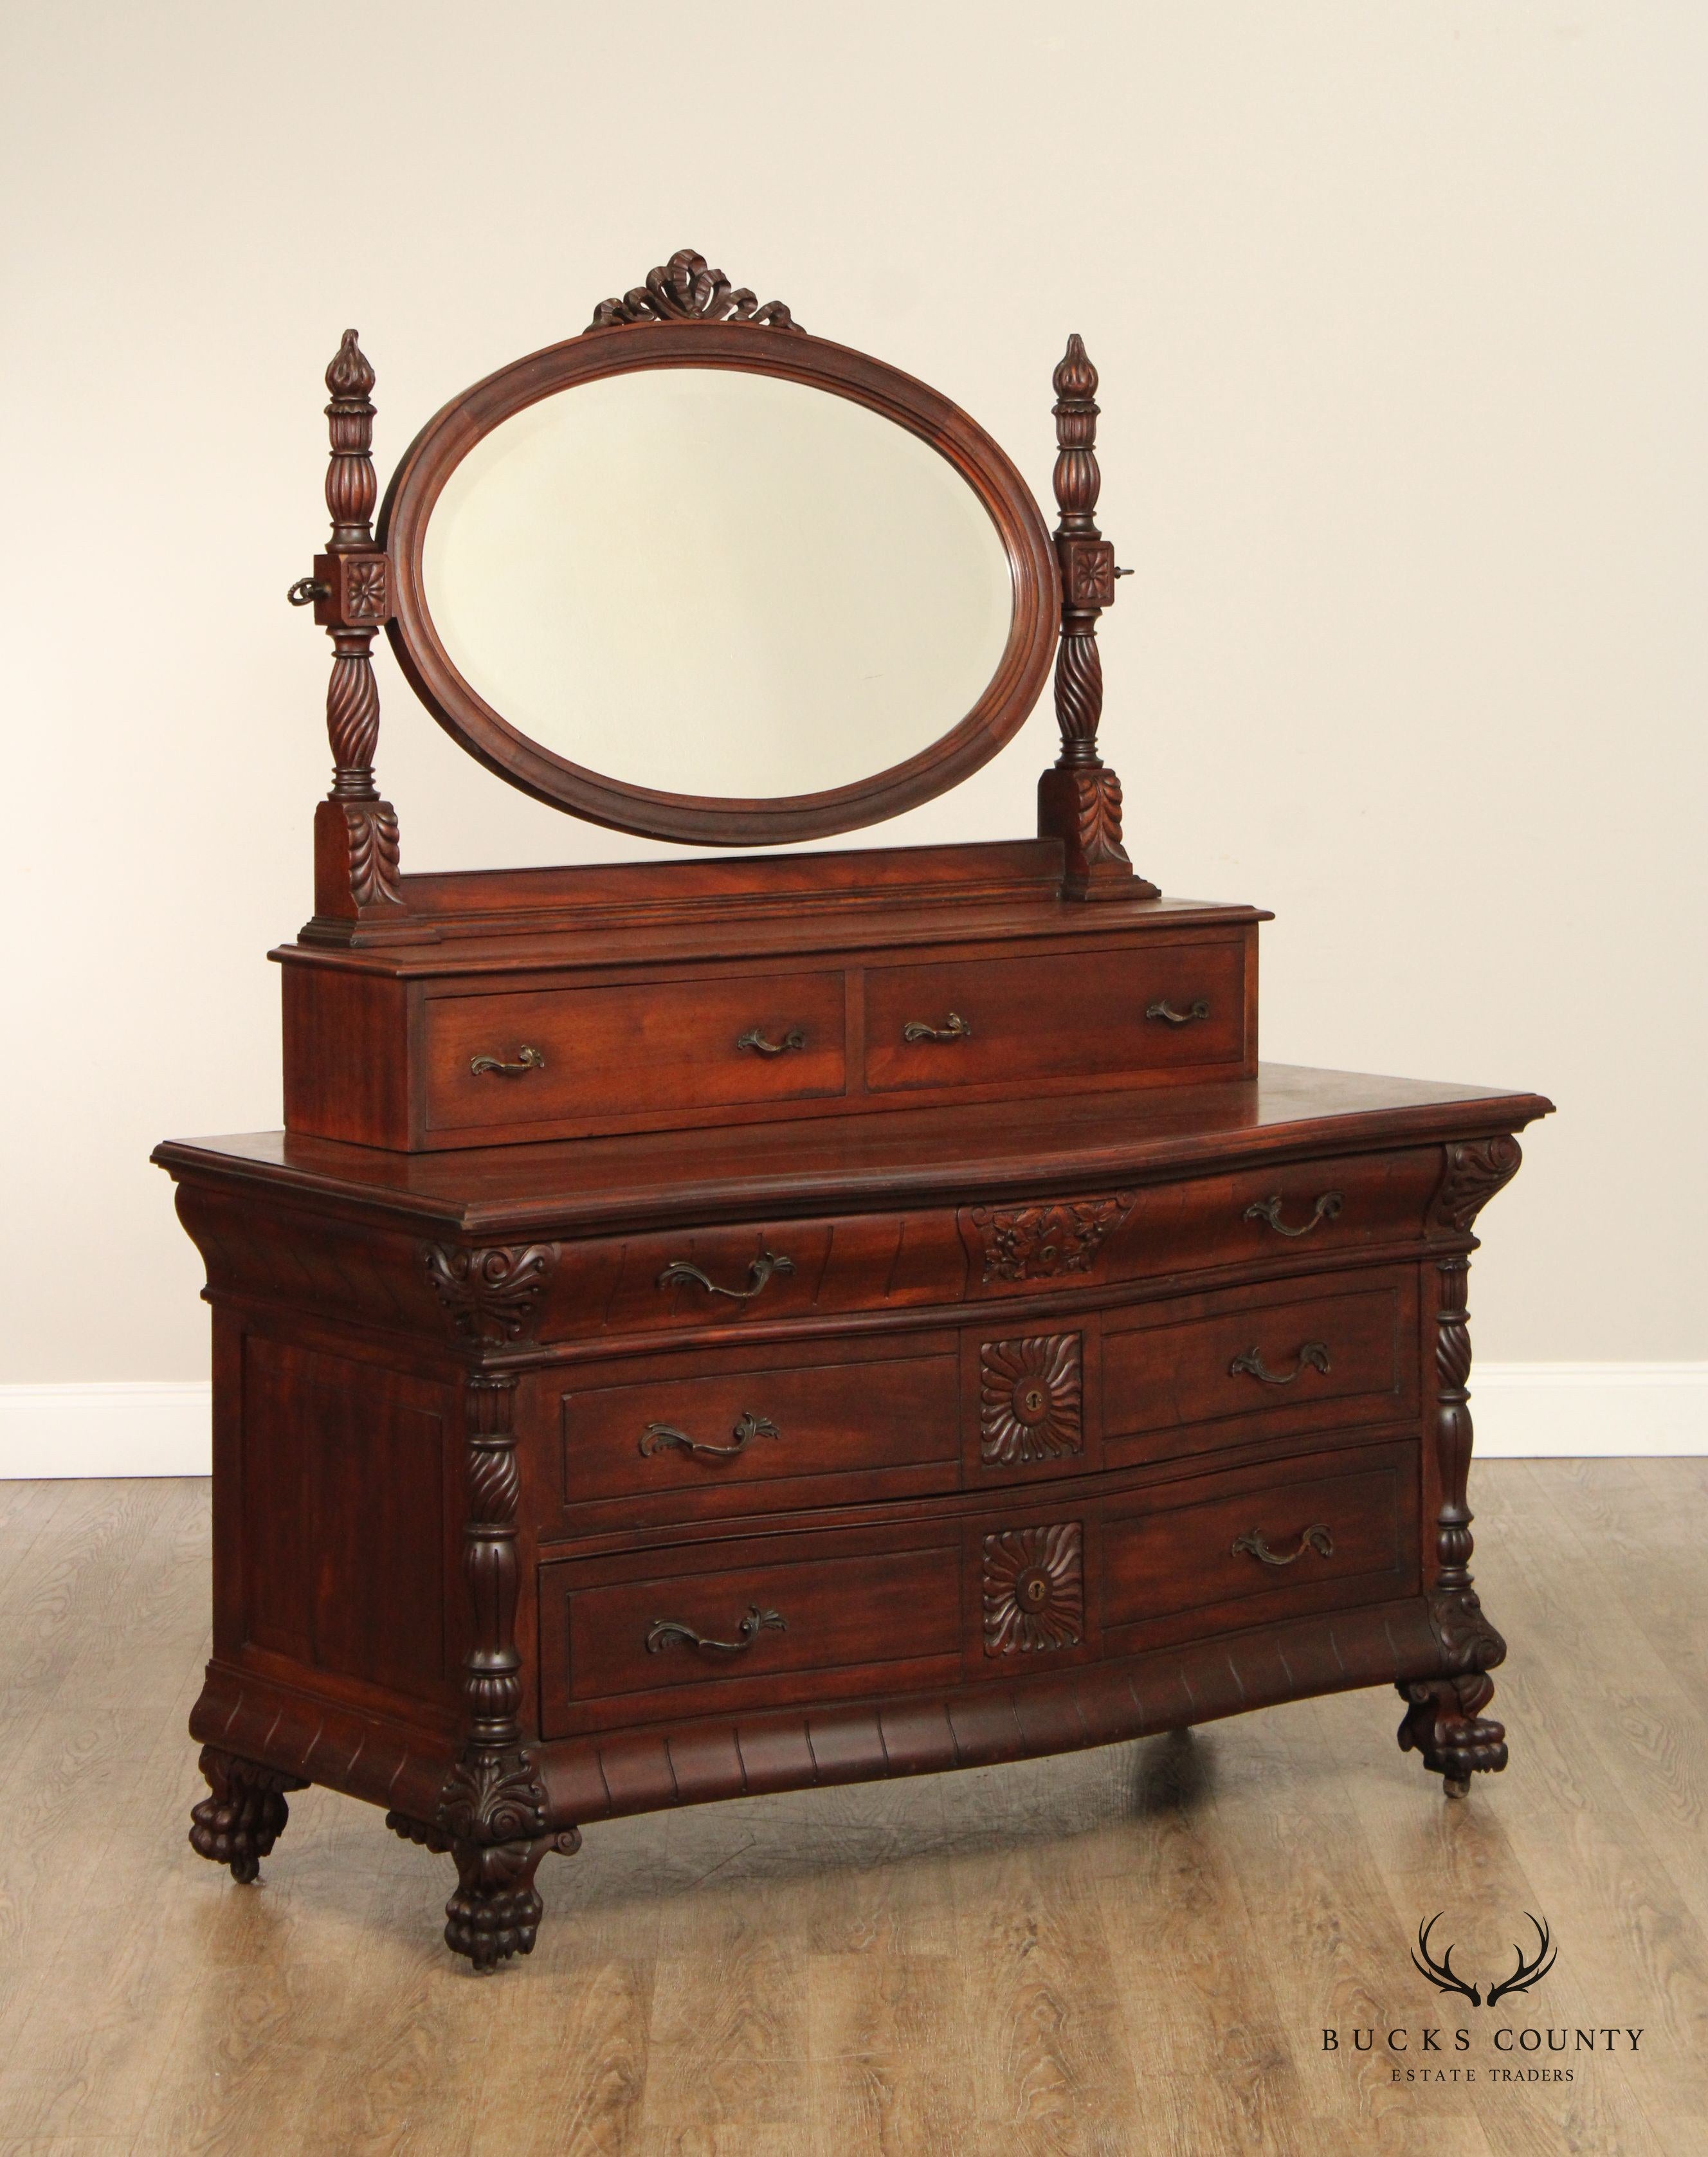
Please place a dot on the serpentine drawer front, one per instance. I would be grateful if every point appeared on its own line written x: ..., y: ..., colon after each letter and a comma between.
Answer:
x: 1192, y: 1373
x: 688, y: 1437
x: 1182, y: 1559
x: 1156, y: 1009
x: 798, y: 1617
x: 603, y: 1052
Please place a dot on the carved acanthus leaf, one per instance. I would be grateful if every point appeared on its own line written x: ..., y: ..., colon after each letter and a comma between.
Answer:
x: 1097, y: 809
x: 1475, y: 1171
x: 491, y: 1798
x: 686, y: 290
x: 491, y: 1294
x: 375, y: 852
x: 1035, y: 1243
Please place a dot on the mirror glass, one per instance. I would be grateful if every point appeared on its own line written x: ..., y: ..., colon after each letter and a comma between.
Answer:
x: 712, y: 583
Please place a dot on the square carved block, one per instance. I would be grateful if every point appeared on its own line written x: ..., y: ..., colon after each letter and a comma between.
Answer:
x: 1088, y: 572
x: 1035, y: 1590
x: 1029, y: 1397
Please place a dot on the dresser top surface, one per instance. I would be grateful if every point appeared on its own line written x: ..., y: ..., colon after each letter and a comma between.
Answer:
x: 988, y: 1151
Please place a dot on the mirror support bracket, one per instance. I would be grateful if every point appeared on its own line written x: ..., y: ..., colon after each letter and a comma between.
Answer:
x: 357, y: 879
x: 1079, y: 798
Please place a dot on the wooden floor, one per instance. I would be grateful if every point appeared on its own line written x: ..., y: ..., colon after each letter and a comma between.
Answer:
x: 1130, y: 1950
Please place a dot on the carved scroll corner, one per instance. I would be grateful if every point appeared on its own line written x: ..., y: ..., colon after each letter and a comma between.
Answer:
x: 686, y: 289
x: 491, y: 1294
x: 1468, y: 1640
x: 1473, y: 1172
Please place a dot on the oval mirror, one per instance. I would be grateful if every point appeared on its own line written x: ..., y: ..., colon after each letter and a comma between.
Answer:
x: 718, y: 583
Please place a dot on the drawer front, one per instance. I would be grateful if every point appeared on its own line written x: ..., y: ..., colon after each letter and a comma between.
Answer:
x: 698, y: 1277
x: 1165, y: 1009
x: 1218, y: 1552
x: 1189, y: 1375
x: 769, y: 1620
x: 599, y: 1052
x: 1299, y: 1210
x: 686, y: 1439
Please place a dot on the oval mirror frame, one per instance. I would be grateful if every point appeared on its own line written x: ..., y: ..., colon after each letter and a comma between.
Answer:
x: 751, y: 347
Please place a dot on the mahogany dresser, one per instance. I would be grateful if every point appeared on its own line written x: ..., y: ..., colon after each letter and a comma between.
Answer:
x: 731, y: 1325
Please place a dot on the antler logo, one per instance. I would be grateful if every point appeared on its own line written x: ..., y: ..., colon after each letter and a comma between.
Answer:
x: 1445, y: 1979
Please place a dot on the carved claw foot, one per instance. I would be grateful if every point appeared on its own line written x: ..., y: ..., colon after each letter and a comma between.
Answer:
x: 1443, y: 1724
x: 245, y: 1815
x: 495, y: 1913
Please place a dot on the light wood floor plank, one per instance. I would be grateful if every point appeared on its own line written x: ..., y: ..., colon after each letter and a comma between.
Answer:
x: 1119, y: 1953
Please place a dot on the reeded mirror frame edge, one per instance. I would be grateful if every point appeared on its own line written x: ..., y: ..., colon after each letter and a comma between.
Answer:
x: 1003, y: 708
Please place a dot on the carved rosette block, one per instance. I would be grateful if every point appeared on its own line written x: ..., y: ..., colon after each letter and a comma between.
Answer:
x: 1035, y: 1590
x: 1079, y: 799
x: 1030, y: 1400
x: 1055, y: 1237
x: 685, y: 290
x: 245, y: 1815
x: 491, y: 1295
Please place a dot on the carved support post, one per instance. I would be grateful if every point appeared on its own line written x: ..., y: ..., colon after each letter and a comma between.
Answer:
x: 491, y: 1814
x: 1079, y: 799
x: 1443, y: 1721
x: 356, y: 850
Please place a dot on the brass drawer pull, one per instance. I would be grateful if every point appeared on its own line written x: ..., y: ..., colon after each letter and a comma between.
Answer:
x: 957, y: 1030
x: 1327, y: 1208
x: 754, y: 1039
x: 526, y: 1059
x: 679, y: 1274
x: 1162, y: 1009
x: 660, y: 1436
x: 663, y: 1630
x: 1315, y: 1537
x: 1312, y: 1357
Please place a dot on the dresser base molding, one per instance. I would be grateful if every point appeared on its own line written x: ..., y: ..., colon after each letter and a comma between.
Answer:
x: 495, y: 1912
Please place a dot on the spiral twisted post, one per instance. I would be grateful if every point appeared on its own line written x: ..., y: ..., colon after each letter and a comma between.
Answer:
x: 1079, y: 799
x: 356, y: 833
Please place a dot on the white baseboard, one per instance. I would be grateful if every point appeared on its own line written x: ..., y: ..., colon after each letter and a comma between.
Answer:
x: 1525, y: 1411
x: 1521, y: 1411
x: 148, y: 1428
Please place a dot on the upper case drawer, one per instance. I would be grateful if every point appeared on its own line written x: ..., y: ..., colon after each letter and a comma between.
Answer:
x: 604, y: 1052
x: 1201, y: 1371
x: 1150, y: 1008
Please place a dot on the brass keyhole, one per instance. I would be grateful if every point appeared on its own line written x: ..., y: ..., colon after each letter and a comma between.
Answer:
x: 1035, y: 1591
x: 1033, y: 1400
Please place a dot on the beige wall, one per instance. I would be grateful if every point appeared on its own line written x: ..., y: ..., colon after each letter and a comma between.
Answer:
x: 1399, y: 310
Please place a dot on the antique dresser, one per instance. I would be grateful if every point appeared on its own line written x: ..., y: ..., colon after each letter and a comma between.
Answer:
x: 732, y: 1323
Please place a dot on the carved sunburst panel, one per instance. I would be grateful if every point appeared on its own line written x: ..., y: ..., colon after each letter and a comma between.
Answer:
x: 1030, y: 1399
x: 1035, y: 1590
